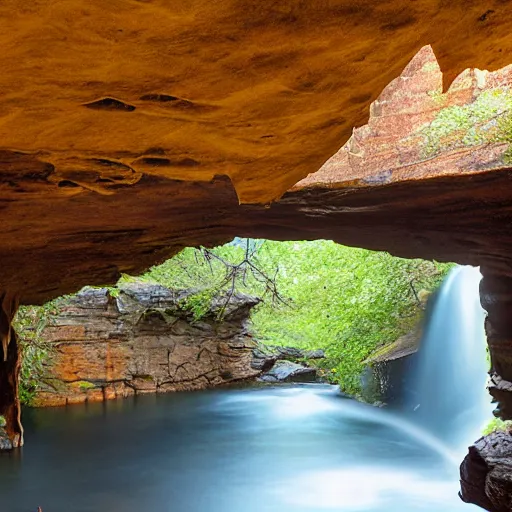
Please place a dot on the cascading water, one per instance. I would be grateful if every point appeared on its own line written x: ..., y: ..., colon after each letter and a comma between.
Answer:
x: 448, y: 391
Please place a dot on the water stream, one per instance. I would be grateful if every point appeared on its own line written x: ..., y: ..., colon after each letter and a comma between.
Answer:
x: 448, y: 384
x: 284, y: 449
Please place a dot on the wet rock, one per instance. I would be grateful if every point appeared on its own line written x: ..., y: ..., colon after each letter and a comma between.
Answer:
x: 5, y: 442
x: 264, y: 356
x: 385, y: 378
x: 486, y: 473
x: 286, y: 371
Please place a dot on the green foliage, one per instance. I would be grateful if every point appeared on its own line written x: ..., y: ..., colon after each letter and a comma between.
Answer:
x: 113, y: 291
x: 487, y: 119
x: 346, y: 301
x: 36, y: 352
x: 199, y: 303
x: 2, y: 421
x: 84, y: 385
x: 497, y: 425
x: 211, y: 273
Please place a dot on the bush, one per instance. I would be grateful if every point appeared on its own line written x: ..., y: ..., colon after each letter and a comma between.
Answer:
x: 497, y: 425
x: 36, y: 353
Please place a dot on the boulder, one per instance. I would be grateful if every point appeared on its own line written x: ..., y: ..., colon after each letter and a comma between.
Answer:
x: 486, y: 473
x: 286, y: 371
x: 387, y: 370
x: 264, y: 356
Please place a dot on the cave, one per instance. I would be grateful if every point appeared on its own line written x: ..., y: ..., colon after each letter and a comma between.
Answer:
x: 131, y: 131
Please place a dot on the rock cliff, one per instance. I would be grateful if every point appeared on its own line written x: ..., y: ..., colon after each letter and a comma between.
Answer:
x: 143, y: 340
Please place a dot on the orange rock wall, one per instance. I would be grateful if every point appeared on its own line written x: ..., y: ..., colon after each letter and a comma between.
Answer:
x: 141, y: 341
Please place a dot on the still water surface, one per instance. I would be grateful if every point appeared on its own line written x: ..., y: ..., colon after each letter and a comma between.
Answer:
x: 299, y: 448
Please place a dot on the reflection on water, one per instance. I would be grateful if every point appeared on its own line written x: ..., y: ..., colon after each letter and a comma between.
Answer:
x: 300, y: 448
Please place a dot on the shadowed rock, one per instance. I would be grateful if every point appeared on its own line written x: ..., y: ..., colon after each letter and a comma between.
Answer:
x: 486, y: 473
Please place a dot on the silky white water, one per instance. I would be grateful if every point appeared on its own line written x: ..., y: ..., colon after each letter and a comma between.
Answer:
x: 303, y: 448
x: 449, y: 396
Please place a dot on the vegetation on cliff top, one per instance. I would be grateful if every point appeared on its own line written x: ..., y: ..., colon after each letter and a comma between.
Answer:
x: 497, y: 425
x: 486, y: 120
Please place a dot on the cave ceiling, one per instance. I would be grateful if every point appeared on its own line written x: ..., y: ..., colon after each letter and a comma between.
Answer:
x: 131, y: 128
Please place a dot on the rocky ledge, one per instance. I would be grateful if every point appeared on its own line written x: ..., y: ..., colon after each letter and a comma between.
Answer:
x: 385, y: 378
x: 142, y: 338
x: 486, y: 473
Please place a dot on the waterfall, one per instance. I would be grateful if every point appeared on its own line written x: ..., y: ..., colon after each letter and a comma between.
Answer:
x: 448, y: 395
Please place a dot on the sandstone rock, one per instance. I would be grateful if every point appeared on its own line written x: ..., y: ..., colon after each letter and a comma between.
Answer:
x: 134, y: 196
x: 486, y: 473
x: 143, y: 341
x: 286, y: 371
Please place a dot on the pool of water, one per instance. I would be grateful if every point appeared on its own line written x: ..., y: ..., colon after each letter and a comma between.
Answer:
x: 298, y: 448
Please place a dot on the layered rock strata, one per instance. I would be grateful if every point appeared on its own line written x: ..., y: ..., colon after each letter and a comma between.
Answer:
x: 143, y: 340
x: 96, y: 96
x: 371, y: 194
x: 133, y: 188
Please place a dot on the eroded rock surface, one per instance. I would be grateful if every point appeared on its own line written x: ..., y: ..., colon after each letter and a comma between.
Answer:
x: 486, y: 473
x: 144, y: 340
x: 96, y: 95
x: 148, y: 125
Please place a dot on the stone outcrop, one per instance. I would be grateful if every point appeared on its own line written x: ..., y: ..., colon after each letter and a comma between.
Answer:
x: 285, y: 364
x: 97, y: 96
x: 143, y: 340
x: 486, y: 473
x: 287, y: 371
x: 385, y: 379
x: 265, y: 356
x: 379, y: 191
